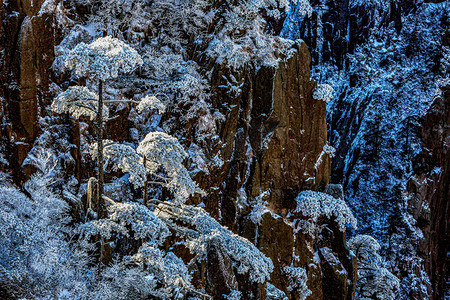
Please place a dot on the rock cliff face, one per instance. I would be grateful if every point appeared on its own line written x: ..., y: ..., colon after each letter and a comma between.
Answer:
x: 28, y: 34
x: 430, y: 191
x: 270, y: 147
x: 271, y: 144
x: 387, y: 127
x: 271, y: 139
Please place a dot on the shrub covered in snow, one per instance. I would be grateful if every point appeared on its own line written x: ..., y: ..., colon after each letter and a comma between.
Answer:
x: 123, y: 157
x: 297, y: 281
x: 125, y: 217
x: 323, y: 92
x: 163, y: 150
x: 151, y: 102
x: 374, y: 281
x: 272, y: 293
x: 316, y: 204
x: 200, y: 229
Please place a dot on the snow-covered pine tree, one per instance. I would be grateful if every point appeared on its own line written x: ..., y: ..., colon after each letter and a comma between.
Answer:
x: 161, y: 273
x: 374, y: 281
x: 103, y: 59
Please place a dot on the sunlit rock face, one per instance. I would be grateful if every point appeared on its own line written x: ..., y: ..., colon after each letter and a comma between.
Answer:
x: 271, y: 139
x: 271, y: 143
x: 29, y: 32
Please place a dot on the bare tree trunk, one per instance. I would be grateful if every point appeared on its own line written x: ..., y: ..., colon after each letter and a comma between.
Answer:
x: 91, y: 204
x: 100, y: 186
x: 145, y: 193
x: 105, y: 249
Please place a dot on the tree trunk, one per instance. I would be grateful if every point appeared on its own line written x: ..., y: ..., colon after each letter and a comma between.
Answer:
x: 145, y: 193
x: 105, y: 248
x: 91, y: 204
x: 100, y: 187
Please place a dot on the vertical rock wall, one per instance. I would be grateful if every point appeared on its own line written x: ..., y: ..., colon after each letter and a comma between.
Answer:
x: 417, y: 27
x: 430, y: 191
x: 271, y: 138
x: 270, y: 143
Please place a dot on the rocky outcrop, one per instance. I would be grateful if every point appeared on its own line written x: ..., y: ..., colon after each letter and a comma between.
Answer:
x: 220, y: 279
x: 287, y: 132
x: 330, y: 269
x: 29, y: 33
x: 271, y: 144
x: 376, y: 144
x: 270, y: 140
x: 430, y: 189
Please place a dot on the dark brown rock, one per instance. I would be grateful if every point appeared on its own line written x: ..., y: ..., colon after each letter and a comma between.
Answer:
x: 276, y: 240
x: 220, y: 279
x: 272, y: 136
x: 291, y: 130
x: 28, y: 34
x: 431, y: 192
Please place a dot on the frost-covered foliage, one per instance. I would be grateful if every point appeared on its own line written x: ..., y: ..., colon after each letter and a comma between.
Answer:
x: 238, y: 53
x: 125, y: 158
x: 163, y: 150
x: 166, y: 269
x: 200, y: 229
x: 272, y: 293
x: 36, y: 259
x: 162, y: 153
x: 104, y: 58
x: 374, y: 281
x: 117, y: 17
x: 142, y: 222
x: 78, y: 101
x: 240, y: 36
x: 252, y: 43
x: 151, y: 271
x: 76, y: 35
x: 323, y: 92
x: 151, y: 102
x: 297, y: 281
x: 169, y: 73
x: 259, y: 205
x: 234, y: 295
x: 365, y: 248
x: 316, y: 204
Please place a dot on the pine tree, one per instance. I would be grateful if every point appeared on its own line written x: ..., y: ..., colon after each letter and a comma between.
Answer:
x: 102, y: 60
x: 374, y: 281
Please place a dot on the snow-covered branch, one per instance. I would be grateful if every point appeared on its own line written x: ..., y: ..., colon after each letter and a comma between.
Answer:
x: 78, y: 101
x: 163, y: 150
x: 315, y: 204
x: 104, y: 58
